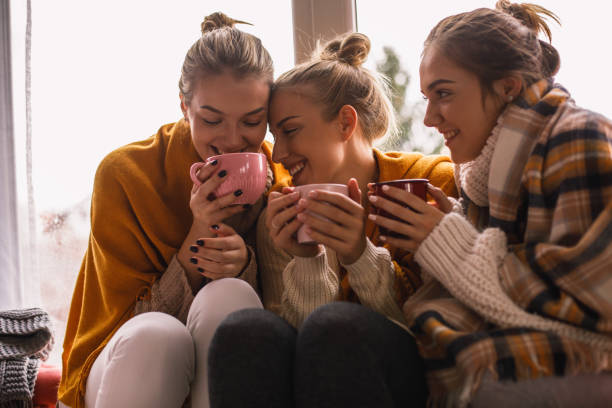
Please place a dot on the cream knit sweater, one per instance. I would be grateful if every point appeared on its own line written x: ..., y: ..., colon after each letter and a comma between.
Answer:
x: 294, y: 287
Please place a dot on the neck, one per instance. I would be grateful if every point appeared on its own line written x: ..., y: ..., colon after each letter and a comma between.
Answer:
x: 360, y: 164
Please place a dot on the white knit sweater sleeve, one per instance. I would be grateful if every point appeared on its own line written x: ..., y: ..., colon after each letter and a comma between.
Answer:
x: 372, y: 277
x: 467, y: 262
x: 308, y: 283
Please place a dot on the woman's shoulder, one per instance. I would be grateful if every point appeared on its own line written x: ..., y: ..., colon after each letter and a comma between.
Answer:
x: 145, y: 154
x: 572, y: 122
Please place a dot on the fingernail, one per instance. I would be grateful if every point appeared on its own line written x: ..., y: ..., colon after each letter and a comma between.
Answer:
x: 385, y: 188
x: 372, y: 217
x: 302, y: 202
x: 222, y: 173
x: 200, y: 242
x: 372, y: 198
x: 214, y: 226
x: 312, y: 194
x: 200, y: 269
x: 246, y: 206
x: 211, y: 197
x: 214, y: 162
x: 238, y: 193
x: 193, y: 248
x: 382, y: 237
x: 193, y: 260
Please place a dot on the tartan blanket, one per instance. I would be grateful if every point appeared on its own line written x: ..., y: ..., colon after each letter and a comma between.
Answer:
x: 26, y: 338
x: 522, y: 288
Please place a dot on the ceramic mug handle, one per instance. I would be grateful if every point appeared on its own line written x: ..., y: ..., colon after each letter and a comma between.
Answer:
x: 193, y: 172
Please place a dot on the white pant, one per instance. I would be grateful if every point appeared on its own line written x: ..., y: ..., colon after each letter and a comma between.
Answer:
x: 153, y: 360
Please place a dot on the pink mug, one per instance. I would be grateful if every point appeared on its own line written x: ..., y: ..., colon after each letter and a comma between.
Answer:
x: 245, y: 171
x: 302, y: 235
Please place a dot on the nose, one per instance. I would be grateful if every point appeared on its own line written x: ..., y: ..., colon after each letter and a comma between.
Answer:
x: 279, y: 152
x: 233, y: 140
x: 432, y: 115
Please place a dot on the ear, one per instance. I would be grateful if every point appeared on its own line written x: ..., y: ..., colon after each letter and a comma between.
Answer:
x: 347, y: 121
x: 183, y: 107
x: 508, y: 88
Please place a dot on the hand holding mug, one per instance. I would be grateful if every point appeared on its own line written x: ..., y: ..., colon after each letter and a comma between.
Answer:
x: 335, y: 218
x: 407, y: 218
x: 206, y: 208
x: 281, y: 220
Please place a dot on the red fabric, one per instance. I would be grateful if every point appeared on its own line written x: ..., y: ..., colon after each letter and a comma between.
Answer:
x: 45, y: 388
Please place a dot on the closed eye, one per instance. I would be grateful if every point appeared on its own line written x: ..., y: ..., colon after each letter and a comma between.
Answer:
x: 252, y: 124
x: 212, y: 122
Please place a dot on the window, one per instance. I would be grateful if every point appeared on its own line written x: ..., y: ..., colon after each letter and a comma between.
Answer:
x: 103, y: 74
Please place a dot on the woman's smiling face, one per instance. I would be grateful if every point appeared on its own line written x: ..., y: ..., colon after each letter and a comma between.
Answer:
x: 457, y: 105
x: 227, y: 114
x: 307, y: 145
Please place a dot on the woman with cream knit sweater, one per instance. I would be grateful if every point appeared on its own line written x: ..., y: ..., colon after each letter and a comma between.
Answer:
x: 517, y: 304
x: 332, y: 334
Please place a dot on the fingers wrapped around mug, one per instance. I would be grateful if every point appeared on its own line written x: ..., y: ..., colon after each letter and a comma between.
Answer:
x: 282, y: 223
x: 407, y: 219
x: 205, y: 206
x: 335, y: 220
x: 222, y: 256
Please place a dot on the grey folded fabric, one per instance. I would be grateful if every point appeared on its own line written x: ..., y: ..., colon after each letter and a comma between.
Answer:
x: 26, y: 339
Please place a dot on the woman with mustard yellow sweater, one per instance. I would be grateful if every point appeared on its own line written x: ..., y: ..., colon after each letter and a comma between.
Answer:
x: 141, y: 318
x: 333, y: 334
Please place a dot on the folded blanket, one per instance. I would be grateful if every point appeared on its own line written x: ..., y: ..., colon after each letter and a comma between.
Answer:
x: 26, y: 339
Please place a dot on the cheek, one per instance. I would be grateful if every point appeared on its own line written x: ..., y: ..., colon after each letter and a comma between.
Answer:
x: 255, y: 135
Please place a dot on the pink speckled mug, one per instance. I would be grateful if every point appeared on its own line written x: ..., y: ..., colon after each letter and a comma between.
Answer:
x: 245, y: 171
x: 302, y: 235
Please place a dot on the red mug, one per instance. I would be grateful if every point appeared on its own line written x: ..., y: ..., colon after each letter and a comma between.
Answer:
x: 417, y: 187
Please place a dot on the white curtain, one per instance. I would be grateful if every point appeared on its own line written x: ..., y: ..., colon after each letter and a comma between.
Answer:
x: 11, y: 290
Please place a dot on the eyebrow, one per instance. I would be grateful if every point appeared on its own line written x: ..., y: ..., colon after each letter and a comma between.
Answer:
x: 210, y: 108
x: 280, y: 123
x: 437, y: 82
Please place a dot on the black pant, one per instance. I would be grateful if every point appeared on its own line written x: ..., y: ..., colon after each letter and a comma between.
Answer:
x: 344, y: 355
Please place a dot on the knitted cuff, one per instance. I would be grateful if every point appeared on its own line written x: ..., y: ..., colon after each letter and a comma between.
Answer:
x: 366, y: 271
x: 308, y: 284
x: 311, y: 276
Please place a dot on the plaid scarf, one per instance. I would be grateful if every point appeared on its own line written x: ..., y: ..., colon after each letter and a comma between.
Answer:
x: 550, y: 193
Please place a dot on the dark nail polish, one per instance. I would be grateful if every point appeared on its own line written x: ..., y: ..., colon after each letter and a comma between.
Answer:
x: 193, y: 260
x: 246, y: 206
x: 193, y: 248
x: 238, y: 193
x: 222, y: 173
x: 215, y: 227
x: 211, y: 197
x: 214, y: 162
x: 200, y: 242
x: 200, y: 269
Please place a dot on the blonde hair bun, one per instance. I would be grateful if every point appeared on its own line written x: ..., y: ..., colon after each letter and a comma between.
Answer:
x: 352, y: 49
x: 218, y: 20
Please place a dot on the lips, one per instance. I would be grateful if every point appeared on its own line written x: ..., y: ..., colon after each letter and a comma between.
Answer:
x: 294, y: 169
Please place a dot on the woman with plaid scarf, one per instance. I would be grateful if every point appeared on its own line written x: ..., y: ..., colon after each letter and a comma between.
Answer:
x: 516, y: 308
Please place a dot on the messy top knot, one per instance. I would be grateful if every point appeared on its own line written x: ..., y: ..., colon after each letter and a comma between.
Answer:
x: 223, y: 48
x: 334, y: 77
x: 531, y: 15
x: 497, y: 43
x: 218, y: 20
x: 352, y: 50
